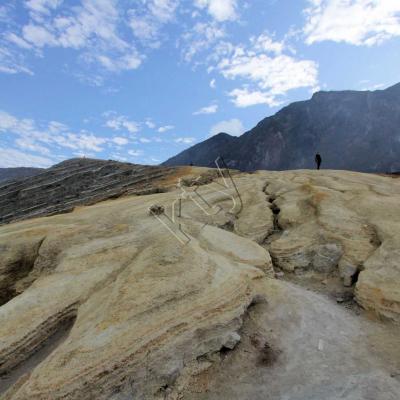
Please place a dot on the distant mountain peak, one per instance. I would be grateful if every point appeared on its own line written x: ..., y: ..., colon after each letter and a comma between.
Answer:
x: 394, y: 88
x: 18, y: 173
x: 356, y: 130
x: 222, y: 134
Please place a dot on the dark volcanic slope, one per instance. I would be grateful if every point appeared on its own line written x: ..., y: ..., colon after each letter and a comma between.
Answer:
x: 18, y: 173
x: 75, y: 182
x: 352, y: 130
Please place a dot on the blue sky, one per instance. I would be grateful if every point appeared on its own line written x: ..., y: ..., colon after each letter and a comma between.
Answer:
x: 141, y: 80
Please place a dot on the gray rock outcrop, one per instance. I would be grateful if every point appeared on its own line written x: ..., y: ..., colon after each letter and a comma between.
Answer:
x: 352, y: 130
x: 75, y: 182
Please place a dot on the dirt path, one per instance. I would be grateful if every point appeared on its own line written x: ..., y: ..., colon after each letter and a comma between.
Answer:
x: 302, y: 346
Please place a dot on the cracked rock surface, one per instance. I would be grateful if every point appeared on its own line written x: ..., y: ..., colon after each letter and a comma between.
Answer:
x: 184, y: 304
x: 342, y: 222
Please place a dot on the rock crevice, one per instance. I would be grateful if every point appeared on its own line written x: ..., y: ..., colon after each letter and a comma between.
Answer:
x: 16, y: 266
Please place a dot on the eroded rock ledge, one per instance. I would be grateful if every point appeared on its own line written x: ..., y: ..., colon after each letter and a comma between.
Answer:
x: 151, y: 313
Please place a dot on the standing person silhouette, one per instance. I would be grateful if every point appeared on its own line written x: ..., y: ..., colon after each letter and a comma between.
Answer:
x: 318, y: 160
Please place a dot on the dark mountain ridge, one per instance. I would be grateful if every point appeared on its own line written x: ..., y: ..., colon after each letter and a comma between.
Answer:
x: 355, y: 130
x: 79, y: 181
x: 18, y: 173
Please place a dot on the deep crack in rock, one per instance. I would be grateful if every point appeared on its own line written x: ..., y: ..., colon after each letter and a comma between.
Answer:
x: 16, y: 264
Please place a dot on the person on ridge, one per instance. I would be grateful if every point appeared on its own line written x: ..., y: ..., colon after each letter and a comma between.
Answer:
x: 318, y: 160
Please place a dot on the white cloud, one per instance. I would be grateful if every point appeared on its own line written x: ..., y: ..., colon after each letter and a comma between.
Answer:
x: 165, y: 128
x: 15, y: 158
x: 213, y: 84
x: 95, y: 80
x: 120, y: 141
x: 57, y: 127
x: 9, y: 123
x: 148, y: 17
x: 220, y: 10
x: 135, y: 153
x: 357, y: 22
x: 163, y: 10
x: 371, y: 86
x: 143, y: 28
x: 109, y: 36
x: 264, y: 43
x: 245, y: 98
x: 211, y: 109
x: 185, y: 140
x: 233, y: 127
x: 11, y: 62
x: 276, y: 74
x: 271, y: 73
x: 29, y: 144
x: 126, y: 62
x: 93, y: 28
x: 38, y: 36
x: 94, y: 23
x: 42, y: 6
x: 80, y: 141
x: 150, y: 124
x: 35, y: 138
x: 120, y: 122
x: 200, y: 38
x: 13, y: 38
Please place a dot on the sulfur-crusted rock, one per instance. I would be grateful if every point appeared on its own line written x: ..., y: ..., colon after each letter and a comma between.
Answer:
x: 142, y: 300
x: 160, y: 306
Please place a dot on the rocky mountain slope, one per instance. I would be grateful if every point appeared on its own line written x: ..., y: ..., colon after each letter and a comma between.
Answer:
x: 18, y: 173
x: 351, y: 130
x: 75, y: 182
x: 276, y: 285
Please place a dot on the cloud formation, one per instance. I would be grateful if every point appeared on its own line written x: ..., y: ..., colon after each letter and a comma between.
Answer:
x: 15, y: 158
x: 357, y: 22
x: 91, y: 28
x: 185, y: 140
x: 220, y: 10
x: 232, y: 127
x: 109, y: 36
x: 267, y: 72
x: 211, y: 109
x: 165, y: 128
x: 200, y: 38
x: 120, y: 122
x: 48, y: 137
x: 147, y: 19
